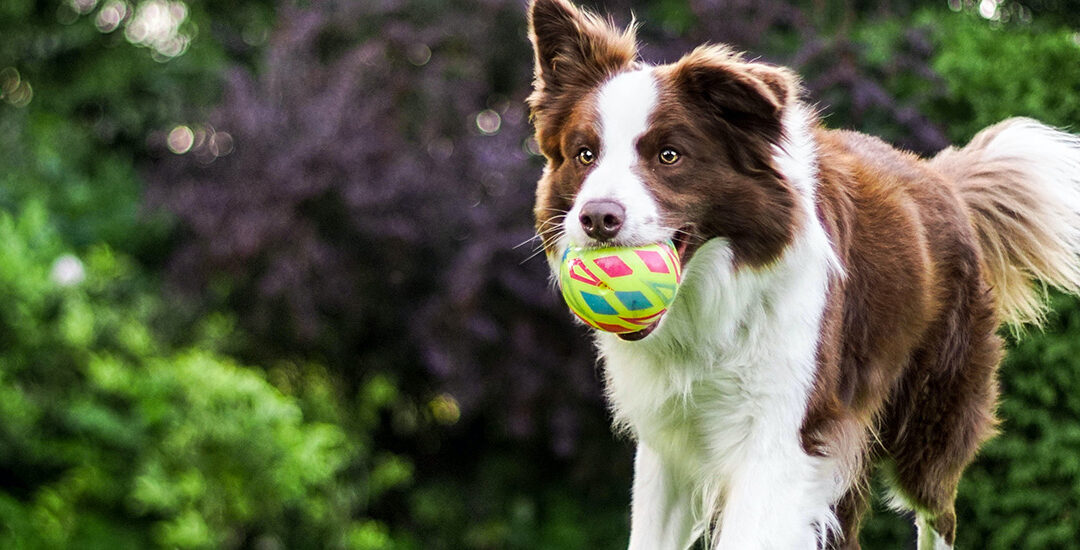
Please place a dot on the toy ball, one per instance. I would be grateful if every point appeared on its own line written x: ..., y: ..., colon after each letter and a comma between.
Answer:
x: 620, y: 289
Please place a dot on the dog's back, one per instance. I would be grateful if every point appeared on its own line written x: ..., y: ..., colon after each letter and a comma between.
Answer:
x: 910, y: 347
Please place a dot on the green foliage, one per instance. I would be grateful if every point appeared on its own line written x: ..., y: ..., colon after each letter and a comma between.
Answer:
x: 96, y: 101
x: 107, y: 439
x: 994, y: 72
x: 1023, y: 490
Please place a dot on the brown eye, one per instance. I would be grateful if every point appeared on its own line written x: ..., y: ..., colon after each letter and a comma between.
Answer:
x: 669, y: 156
x: 585, y: 156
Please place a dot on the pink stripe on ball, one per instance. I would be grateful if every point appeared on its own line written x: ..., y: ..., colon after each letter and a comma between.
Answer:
x: 653, y: 260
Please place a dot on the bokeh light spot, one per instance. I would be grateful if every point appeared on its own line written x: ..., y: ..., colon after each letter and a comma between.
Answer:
x: 14, y: 89
x: 67, y: 270
x: 531, y: 146
x: 489, y: 122
x: 988, y: 9
x: 111, y: 15
x: 445, y: 409
x: 180, y: 139
x: 83, y: 6
x: 9, y: 80
x: 66, y: 15
x: 419, y: 54
x: 440, y: 149
x: 220, y: 144
x: 156, y: 25
x: 206, y: 143
x: 254, y: 35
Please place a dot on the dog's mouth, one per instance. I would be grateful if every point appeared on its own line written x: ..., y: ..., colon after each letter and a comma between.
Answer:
x: 686, y: 241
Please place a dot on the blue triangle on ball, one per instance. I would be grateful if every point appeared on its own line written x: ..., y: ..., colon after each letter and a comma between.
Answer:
x: 598, y: 304
x: 664, y: 290
x: 634, y: 300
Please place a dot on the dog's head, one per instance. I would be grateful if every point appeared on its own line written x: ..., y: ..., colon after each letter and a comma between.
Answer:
x: 638, y: 154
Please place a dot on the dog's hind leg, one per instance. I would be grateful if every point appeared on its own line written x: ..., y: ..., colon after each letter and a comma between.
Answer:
x: 930, y: 531
x: 850, y: 510
x: 943, y: 411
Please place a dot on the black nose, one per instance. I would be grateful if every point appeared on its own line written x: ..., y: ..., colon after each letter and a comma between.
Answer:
x: 602, y: 219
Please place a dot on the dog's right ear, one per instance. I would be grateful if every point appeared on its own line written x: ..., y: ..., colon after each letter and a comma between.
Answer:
x: 575, y: 50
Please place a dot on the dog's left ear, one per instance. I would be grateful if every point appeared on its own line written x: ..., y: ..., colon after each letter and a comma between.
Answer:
x: 575, y: 51
x: 728, y: 88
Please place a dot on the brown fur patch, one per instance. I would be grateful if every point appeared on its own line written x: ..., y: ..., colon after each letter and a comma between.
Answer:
x: 915, y: 354
x: 725, y: 122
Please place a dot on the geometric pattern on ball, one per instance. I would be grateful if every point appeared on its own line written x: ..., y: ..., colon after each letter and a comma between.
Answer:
x: 620, y: 289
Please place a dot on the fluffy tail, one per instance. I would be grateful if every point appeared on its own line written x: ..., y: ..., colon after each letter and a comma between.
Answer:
x: 1020, y: 181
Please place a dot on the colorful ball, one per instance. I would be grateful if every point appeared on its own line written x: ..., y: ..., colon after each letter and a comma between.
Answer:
x: 620, y: 289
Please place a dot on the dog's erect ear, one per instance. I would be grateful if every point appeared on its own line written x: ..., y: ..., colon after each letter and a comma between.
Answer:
x: 574, y: 49
x: 731, y: 89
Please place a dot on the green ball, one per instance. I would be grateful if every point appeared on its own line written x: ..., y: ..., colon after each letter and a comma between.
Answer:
x: 620, y: 289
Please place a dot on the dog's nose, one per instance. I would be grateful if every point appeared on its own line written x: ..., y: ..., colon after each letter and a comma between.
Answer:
x: 602, y: 219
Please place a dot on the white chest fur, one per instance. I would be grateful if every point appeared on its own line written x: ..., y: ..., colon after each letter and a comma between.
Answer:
x: 734, y: 344
x: 724, y: 382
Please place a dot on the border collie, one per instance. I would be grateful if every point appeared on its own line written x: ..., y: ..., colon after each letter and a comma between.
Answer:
x: 840, y: 299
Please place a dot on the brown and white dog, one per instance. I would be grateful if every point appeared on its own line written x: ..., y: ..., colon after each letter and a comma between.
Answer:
x: 840, y: 299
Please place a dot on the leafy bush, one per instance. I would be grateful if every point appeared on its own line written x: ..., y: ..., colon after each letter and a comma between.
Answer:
x: 1023, y: 490
x: 75, y: 138
x: 994, y: 72
x: 107, y: 439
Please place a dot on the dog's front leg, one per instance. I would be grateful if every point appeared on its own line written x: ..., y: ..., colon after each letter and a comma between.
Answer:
x: 661, y: 516
x: 774, y: 503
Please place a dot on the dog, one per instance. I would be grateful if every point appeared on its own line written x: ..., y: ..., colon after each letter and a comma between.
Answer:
x: 841, y: 298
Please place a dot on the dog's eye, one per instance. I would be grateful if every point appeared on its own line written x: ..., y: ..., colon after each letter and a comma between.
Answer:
x: 585, y: 156
x: 669, y: 156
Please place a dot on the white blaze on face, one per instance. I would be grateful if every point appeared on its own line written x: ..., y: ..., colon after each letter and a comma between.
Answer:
x: 624, y: 105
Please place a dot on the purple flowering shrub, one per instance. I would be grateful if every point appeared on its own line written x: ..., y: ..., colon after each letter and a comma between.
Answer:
x: 375, y: 210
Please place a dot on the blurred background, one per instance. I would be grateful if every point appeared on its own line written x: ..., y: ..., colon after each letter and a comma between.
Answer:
x: 266, y: 276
